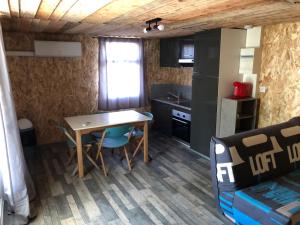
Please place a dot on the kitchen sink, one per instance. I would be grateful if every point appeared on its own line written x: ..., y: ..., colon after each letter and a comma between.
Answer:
x: 183, y: 102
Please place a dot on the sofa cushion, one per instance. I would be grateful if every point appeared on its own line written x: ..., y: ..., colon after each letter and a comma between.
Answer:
x: 271, y: 202
x: 251, y: 157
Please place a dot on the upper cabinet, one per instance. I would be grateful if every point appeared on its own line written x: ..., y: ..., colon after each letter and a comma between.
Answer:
x: 173, y: 49
x: 207, y: 53
x: 169, y: 52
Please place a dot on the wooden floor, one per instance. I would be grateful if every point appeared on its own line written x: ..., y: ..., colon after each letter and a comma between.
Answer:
x: 174, y: 188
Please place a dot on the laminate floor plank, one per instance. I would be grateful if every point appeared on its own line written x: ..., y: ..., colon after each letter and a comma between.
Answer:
x: 173, y: 189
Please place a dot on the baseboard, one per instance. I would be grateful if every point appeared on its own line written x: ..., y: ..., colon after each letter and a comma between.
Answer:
x: 198, y: 153
x: 190, y: 149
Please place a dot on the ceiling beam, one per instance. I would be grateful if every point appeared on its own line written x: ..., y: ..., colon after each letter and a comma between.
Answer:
x: 81, y: 9
x: 114, y: 10
x: 62, y: 9
x: 55, y: 26
x: 81, y: 28
x: 46, y: 8
x: 14, y: 8
x: 4, y: 8
x: 29, y: 8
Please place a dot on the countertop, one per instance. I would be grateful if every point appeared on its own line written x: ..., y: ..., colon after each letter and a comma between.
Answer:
x: 182, y: 103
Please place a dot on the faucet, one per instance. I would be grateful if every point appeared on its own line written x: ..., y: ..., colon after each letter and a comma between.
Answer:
x: 176, y: 96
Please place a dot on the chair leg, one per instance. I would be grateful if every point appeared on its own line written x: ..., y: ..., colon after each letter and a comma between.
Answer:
x: 91, y: 160
x: 102, y: 162
x: 127, y: 158
x: 137, y: 148
x: 71, y: 157
x: 75, y: 170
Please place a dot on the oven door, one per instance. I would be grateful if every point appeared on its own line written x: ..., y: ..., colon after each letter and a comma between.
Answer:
x: 181, y: 129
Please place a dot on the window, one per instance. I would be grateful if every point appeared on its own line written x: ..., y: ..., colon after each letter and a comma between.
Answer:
x: 123, y: 69
x: 121, y: 80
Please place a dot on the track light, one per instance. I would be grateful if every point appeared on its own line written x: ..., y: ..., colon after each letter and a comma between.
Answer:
x: 159, y: 27
x: 147, y: 29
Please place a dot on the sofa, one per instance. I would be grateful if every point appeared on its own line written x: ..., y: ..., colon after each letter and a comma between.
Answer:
x: 256, y: 175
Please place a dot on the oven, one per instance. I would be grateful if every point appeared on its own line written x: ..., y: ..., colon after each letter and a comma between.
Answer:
x: 181, y: 125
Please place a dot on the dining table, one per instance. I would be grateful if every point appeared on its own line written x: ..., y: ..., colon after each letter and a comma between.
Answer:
x: 85, y: 124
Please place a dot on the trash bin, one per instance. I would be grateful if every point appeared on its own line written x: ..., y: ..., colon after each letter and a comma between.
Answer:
x: 27, y: 133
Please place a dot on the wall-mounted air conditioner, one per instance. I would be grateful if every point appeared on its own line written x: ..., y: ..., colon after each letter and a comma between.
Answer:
x: 57, y: 49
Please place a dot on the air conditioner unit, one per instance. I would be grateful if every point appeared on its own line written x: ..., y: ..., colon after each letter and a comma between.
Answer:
x: 57, y: 49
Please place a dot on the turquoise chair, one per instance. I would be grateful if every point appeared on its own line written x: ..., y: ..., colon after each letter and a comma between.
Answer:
x: 138, y: 134
x: 112, y: 138
x: 87, y: 143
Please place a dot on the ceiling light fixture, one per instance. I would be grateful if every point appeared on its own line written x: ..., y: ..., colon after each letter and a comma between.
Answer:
x: 147, y: 29
x: 159, y: 27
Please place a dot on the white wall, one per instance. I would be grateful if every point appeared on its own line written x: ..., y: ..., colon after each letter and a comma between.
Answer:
x: 253, y: 37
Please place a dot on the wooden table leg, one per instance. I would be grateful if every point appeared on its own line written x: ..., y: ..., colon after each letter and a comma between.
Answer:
x: 79, y: 154
x: 146, y: 158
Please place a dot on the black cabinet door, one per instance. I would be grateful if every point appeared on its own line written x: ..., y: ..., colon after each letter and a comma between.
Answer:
x: 204, y: 114
x: 205, y: 88
x: 162, y: 114
x: 207, y: 52
x: 169, y: 52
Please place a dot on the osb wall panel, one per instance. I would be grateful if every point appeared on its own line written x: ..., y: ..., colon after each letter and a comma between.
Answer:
x: 279, y: 73
x: 52, y: 88
x: 155, y: 74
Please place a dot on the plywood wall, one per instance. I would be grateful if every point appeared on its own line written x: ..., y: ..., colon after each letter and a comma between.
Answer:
x: 280, y: 73
x: 52, y: 88
x: 162, y: 75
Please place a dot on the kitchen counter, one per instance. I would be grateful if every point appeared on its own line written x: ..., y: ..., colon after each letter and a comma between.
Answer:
x: 182, y: 103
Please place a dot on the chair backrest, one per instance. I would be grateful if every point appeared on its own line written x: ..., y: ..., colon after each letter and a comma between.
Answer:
x: 118, y: 131
x: 148, y: 114
x: 63, y: 130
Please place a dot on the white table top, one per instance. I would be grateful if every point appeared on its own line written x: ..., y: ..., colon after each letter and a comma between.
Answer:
x: 105, y: 119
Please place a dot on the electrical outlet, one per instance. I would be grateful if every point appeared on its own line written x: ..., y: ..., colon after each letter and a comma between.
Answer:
x: 262, y: 89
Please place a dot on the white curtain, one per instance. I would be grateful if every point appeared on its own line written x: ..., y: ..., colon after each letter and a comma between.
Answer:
x: 121, y: 74
x: 15, y: 182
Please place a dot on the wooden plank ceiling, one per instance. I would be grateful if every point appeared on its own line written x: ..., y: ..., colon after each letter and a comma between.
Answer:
x: 126, y: 18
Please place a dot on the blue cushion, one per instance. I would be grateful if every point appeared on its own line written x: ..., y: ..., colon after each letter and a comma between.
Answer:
x: 271, y: 202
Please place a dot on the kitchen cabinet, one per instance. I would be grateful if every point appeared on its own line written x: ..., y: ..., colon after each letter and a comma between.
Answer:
x: 171, y: 49
x: 216, y: 67
x: 169, y: 52
x: 162, y: 114
x: 207, y: 53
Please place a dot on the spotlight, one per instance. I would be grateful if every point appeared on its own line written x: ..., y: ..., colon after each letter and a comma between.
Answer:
x: 161, y: 27
x: 147, y: 29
